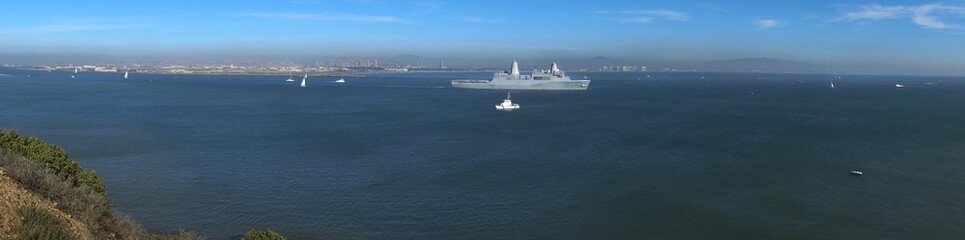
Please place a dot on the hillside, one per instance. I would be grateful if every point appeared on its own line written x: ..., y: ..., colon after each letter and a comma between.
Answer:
x: 49, y: 196
x: 760, y: 64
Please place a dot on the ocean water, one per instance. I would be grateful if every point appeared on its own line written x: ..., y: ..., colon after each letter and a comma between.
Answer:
x: 403, y: 156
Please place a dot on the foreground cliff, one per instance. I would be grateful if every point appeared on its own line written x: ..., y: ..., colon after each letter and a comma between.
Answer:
x: 46, y: 195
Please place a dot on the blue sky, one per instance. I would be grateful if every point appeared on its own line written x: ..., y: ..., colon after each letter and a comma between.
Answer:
x: 918, y: 36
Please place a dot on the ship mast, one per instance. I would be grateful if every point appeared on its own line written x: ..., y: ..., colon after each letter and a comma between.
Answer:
x: 515, y: 71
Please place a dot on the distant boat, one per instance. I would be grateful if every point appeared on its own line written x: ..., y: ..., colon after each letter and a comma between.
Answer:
x: 303, y: 80
x: 898, y: 85
x: 832, y: 84
x: 75, y: 70
x: 125, y: 74
x: 856, y: 172
x: 28, y: 76
x: 340, y: 80
x: 72, y: 77
x: 290, y: 77
x: 507, y: 104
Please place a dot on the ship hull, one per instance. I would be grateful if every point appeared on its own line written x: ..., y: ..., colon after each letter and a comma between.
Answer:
x: 522, y: 85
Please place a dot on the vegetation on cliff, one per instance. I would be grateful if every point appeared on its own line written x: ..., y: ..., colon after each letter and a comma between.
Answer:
x: 46, y: 195
x: 51, y: 157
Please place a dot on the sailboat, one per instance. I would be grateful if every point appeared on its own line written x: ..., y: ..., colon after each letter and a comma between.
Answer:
x: 125, y: 74
x: 290, y: 77
x: 303, y: 80
x: 832, y: 84
x: 72, y: 77
x: 507, y: 104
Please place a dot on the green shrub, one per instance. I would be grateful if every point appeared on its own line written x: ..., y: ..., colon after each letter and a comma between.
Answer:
x: 51, y: 157
x: 268, y: 234
x: 35, y: 223
x: 182, y: 235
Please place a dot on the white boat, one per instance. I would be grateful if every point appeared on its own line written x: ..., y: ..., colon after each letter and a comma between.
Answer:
x: 340, y: 80
x: 856, y: 172
x: 898, y: 85
x: 507, y: 104
x: 125, y: 74
x: 832, y: 83
x: 303, y: 80
x: 290, y: 77
x: 75, y: 70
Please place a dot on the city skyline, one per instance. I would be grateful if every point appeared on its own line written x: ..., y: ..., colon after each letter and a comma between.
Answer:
x: 886, y: 37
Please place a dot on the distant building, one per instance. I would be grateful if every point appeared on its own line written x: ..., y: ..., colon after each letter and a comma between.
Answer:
x: 624, y: 69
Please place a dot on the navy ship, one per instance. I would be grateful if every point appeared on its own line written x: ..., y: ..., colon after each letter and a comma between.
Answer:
x: 552, y: 79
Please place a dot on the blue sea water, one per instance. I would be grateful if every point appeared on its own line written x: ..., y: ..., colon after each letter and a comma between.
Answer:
x: 403, y: 156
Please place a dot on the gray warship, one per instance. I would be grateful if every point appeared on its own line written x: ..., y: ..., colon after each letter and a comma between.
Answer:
x: 552, y: 79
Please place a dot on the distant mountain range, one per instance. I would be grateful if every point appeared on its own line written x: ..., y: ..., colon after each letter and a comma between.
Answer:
x: 758, y: 64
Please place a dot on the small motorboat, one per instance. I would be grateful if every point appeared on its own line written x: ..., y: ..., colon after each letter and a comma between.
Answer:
x: 340, y: 80
x: 507, y: 104
x: 898, y: 85
x: 856, y: 172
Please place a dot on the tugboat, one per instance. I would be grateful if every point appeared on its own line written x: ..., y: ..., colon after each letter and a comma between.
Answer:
x: 507, y: 104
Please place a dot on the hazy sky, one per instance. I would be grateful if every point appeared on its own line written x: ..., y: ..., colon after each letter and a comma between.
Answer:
x: 881, y: 34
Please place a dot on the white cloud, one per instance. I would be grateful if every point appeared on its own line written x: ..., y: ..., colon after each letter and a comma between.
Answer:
x: 927, y: 16
x: 875, y: 12
x: 325, y: 17
x: 635, y: 19
x: 768, y: 23
x: 475, y: 19
x: 644, y: 15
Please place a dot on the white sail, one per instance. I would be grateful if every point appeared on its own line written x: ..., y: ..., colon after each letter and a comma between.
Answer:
x: 303, y: 80
x: 832, y: 84
x: 75, y: 70
x: 125, y: 74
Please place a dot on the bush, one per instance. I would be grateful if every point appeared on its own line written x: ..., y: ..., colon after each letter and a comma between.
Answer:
x: 51, y: 157
x: 182, y: 235
x: 35, y: 223
x: 268, y: 234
